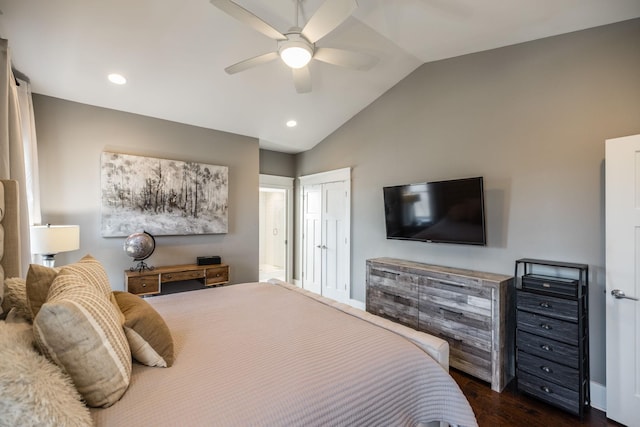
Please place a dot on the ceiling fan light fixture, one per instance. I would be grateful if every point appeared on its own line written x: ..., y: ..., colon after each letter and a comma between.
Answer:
x: 296, y: 52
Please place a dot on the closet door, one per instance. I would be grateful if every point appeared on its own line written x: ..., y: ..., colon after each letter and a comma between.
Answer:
x: 312, y: 238
x: 325, y: 219
x: 334, y: 246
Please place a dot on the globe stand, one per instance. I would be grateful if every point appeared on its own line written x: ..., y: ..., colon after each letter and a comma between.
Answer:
x: 142, y: 266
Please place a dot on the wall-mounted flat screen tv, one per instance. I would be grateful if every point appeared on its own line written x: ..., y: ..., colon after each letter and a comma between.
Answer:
x: 449, y: 211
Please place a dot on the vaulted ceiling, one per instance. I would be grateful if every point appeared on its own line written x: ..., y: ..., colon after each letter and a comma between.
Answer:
x: 173, y: 54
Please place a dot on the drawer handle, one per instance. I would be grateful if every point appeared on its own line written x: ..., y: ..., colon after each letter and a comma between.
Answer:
x: 546, y: 347
x: 545, y: 389
x: 144, y: 285
x: 546, y: 369
x: 168, y: 276
x: 545, y: 326
x: 454, y: 284
x: 381, y: 272
x: 546, y: 285
x: 545, y: 305
x: 456, y: 313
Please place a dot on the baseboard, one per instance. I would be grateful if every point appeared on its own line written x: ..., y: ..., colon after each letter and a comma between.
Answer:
x: 598, y: 396
x: 357, y: 304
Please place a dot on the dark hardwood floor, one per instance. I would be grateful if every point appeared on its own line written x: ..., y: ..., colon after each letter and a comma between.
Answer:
x: 511, y: 408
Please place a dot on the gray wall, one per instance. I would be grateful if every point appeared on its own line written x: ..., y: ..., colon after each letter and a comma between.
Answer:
x: 71, y: 137
x: 278, y: 164
x: 531, y: 119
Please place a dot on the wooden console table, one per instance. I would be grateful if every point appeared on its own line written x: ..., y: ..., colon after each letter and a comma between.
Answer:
x: 149, y: 282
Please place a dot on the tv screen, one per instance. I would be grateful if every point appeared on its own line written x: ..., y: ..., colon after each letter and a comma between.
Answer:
x: 443, y: 211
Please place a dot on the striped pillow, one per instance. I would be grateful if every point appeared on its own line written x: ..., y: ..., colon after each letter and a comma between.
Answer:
x: 39, y: 279
x: 79, y: 329
x: 91, y: 270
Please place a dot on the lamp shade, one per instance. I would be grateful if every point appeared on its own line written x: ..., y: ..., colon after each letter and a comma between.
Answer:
x: 53, y: 239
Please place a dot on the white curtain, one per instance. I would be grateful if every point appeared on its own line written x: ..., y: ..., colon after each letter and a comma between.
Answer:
x: 17, y: 133
x: 30, y: 146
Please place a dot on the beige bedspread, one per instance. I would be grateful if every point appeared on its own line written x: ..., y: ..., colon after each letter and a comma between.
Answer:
x: 264, y: 354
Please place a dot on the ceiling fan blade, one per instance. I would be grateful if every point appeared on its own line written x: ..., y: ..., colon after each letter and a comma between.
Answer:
x: 302, y: 79
x: 331, y: 14
x: 251, y: 62
x: 248, y: 18
x: 345, y: 58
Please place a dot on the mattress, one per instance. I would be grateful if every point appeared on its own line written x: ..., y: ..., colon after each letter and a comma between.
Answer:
x: 271, y: 354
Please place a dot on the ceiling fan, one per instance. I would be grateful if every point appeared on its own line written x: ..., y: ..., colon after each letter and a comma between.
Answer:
x: 297, y: 46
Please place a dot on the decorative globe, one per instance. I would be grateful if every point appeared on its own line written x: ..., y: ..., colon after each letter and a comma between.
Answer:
x: 140, y: 246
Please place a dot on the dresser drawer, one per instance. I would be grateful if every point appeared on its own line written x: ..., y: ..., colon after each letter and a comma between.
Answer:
x: 142, y: 285
x: 177, y: 276
x: 393, y: 281
x: 445, y: 313
x: 471, y: 357
x: 549, y: 349
x: 397, y: 308
x: 548, y: 305
x: 550, y: 392
x: 549, y: 370
x: 553, y: 285
x: 217, y: 275
x: 548, y: 327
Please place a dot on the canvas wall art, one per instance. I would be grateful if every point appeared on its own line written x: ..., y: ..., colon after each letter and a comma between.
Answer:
x: 162, y: 197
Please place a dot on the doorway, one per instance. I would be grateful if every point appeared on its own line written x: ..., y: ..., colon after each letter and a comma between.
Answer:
x: 275, y: 254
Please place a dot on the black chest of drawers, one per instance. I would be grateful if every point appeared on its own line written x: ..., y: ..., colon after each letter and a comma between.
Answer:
x: 552, y: 333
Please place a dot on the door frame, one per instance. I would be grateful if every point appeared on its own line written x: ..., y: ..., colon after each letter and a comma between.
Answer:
x: 337, y: 175
x: 284, y: 183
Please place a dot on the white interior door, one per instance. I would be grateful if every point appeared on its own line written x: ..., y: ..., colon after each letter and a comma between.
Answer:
x: 335, y: 242
x: 326, y: 247
x: 312, y: 238
x: 623, y: 278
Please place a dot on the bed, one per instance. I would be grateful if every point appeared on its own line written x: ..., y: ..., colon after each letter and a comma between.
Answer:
x: 268, y: 354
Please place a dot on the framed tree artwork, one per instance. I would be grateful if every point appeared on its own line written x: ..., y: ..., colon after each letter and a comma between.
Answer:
x: 162, y: 197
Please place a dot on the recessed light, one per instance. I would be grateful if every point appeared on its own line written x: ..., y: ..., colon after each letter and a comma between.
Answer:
x: 292, y: 123
x: 117, y: 79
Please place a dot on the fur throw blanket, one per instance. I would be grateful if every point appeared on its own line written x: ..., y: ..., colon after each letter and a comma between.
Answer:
x: 34, y: 391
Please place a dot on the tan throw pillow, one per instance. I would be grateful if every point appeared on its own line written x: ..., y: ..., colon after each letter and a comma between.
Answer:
x: 15, y: 294
x: 39, y: 279
x: 79, y: 330
x: 149, y: 337
x: 91, y: 270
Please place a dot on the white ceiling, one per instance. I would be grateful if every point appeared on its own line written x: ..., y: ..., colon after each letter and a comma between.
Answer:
x: 173, y: 53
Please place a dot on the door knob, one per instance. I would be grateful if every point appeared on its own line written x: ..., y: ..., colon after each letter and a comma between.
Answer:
x: 617, y: 293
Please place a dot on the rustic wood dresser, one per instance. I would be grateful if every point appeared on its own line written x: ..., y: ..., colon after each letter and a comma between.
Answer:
x: 471, y: 310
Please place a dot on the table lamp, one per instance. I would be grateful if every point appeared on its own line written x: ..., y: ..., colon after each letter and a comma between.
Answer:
x: 49, y: 240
